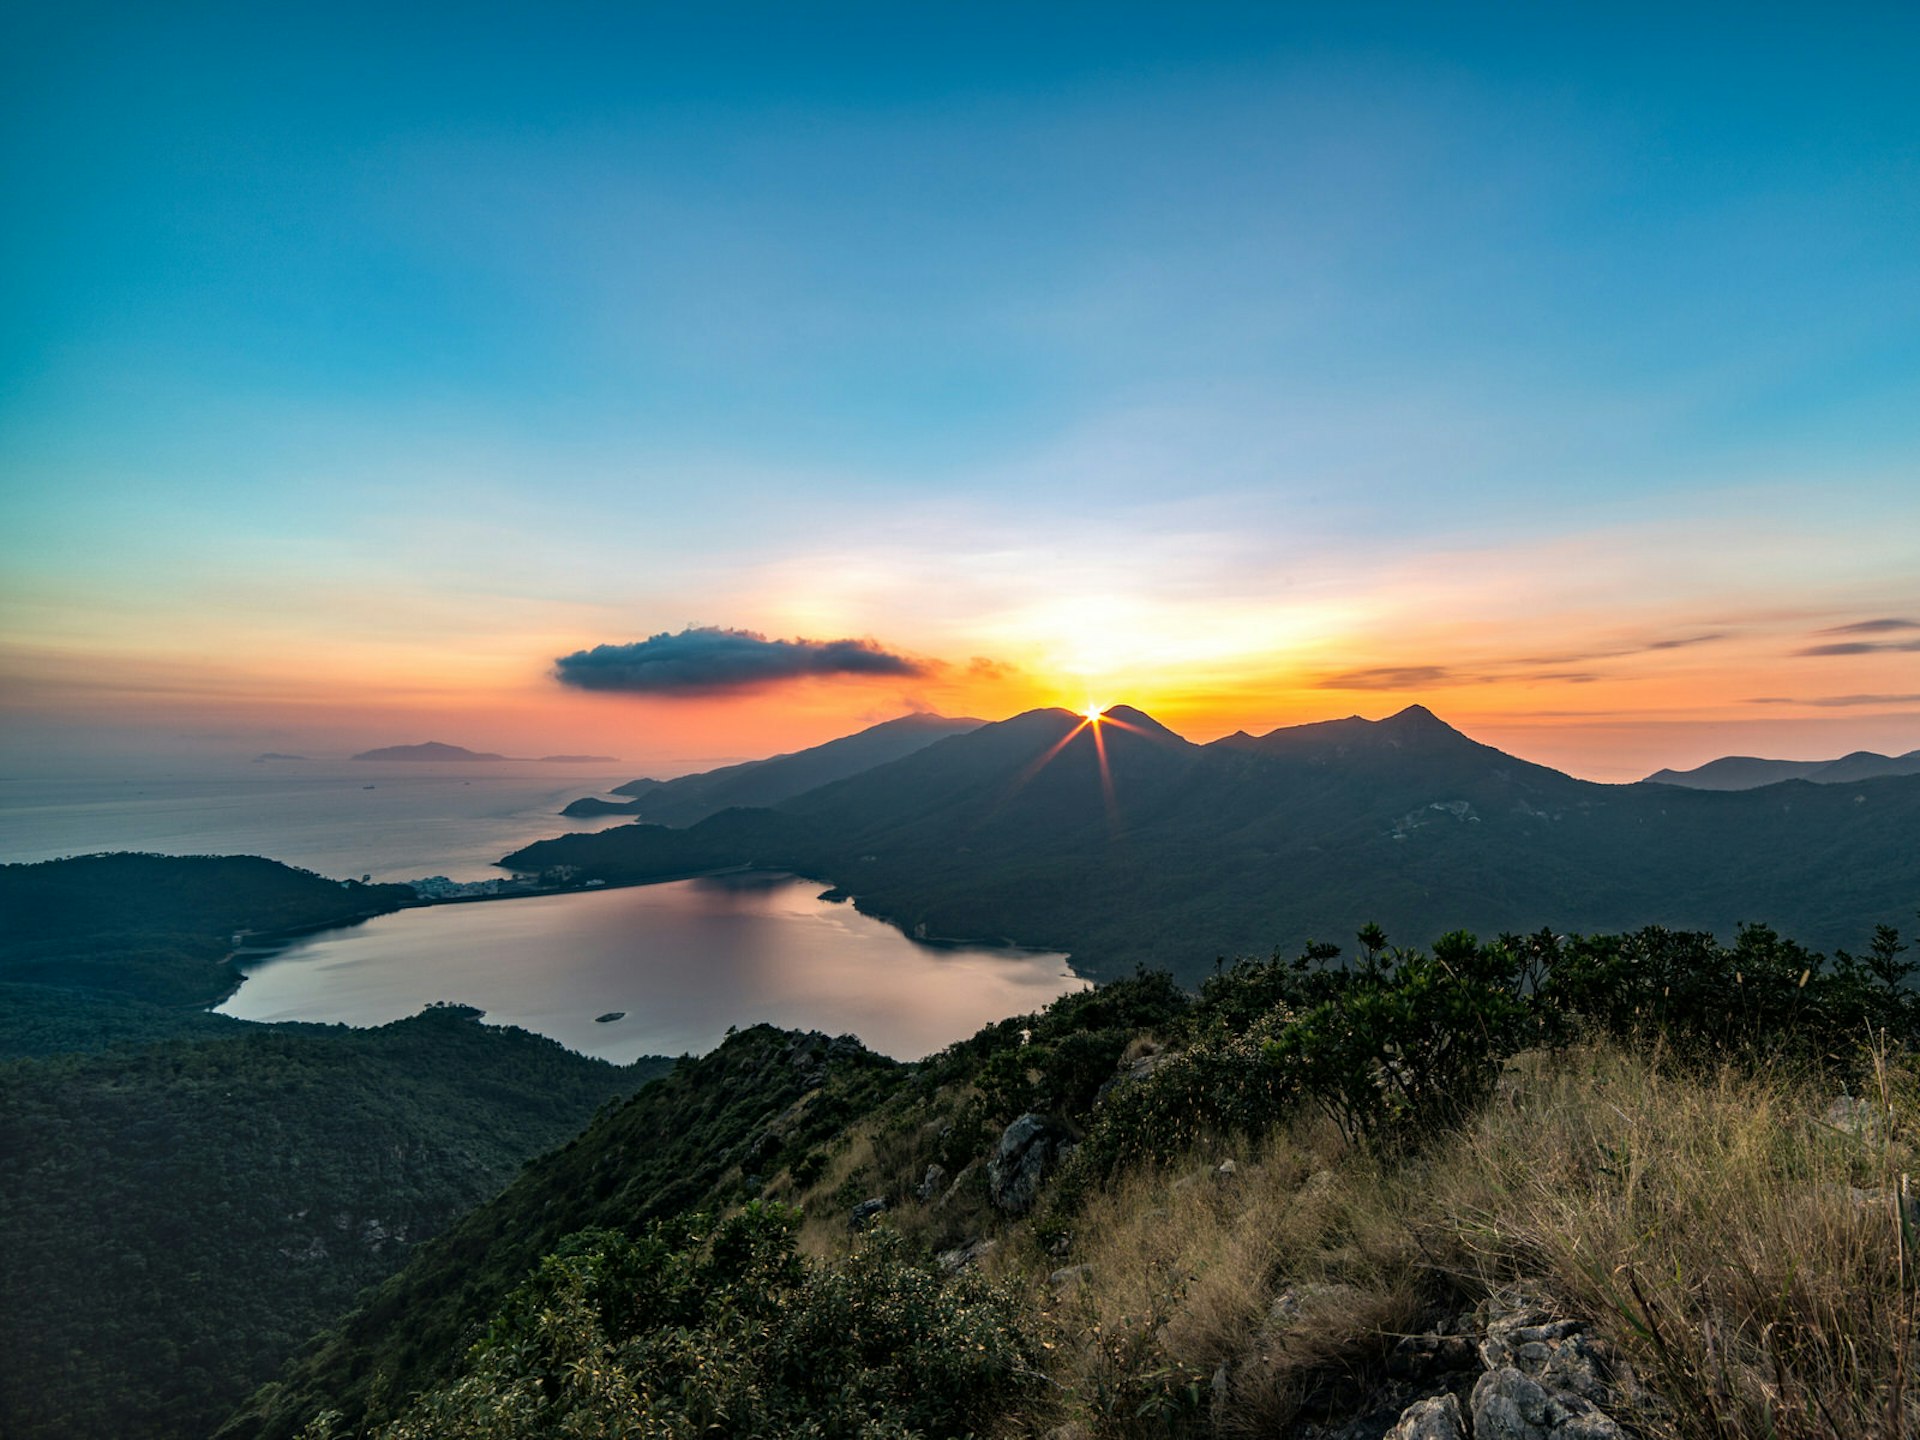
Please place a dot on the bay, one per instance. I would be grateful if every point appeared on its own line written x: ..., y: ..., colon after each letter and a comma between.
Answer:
x: 684, y: 960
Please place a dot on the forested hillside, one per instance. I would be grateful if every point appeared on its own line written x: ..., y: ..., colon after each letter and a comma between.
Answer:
x: 159, y: 927
x: 178, y: 1216
x: 710, y: 1133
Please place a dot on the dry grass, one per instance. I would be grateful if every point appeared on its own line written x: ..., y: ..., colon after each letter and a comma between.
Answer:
x: 1175, y: 1323
x: 1750, y: 1259
x: 1747, y: 1259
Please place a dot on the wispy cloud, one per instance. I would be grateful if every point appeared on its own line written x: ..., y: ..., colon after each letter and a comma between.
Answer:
x: 1860, y: 647
x: 1523, y: 669
x: 709, y: 660
x: 1835, y: 702
x: 1872, y: 627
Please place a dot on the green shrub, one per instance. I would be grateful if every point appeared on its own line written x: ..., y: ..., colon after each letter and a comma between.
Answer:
x: 702, y: 1329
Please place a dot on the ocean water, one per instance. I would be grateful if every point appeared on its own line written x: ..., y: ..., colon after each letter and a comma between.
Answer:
x: 683, y: 960
x: 392, y: 821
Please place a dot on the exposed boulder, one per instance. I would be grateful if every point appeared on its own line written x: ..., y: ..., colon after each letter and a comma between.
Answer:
x: 864, y: 1213
x: 1066, y: 1281
x: 965, y: 1257
x: 1435, y: 1418
x: 1508, y: 1405
x: 1028, y: 1149
x: 933, y: 1183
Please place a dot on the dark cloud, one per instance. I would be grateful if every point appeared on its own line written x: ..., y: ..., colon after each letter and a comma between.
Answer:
x: 1836, y: 702
x: 709, y: 660
x: 1871, y: 627
x: 1396, y: 677
x: 1861, y: 647
x: 1684, y: 641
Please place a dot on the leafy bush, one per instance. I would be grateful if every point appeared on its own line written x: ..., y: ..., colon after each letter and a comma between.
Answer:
x: 702, y: 1329
x: 1410, y: 1044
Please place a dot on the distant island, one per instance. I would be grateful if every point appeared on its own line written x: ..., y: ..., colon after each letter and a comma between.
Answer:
x: 275, y: 755
x: 431, y: 750
x: 437, y: 750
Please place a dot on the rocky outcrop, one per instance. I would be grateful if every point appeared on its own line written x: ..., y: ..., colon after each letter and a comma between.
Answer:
x: 932, y: 1185
x: 1510, y: 1370
x: 1508, y: 1405
x: 1437, y: 1418
x: 1028, y: 1150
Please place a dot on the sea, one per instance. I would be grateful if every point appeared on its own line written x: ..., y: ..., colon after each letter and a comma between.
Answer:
x: 617, y: 973
x: 386, y: 820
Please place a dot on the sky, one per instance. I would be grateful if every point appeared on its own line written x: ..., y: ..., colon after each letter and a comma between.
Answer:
x: 690, y: 383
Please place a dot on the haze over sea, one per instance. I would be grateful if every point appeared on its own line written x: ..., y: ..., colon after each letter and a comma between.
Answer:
x: 341, y: 818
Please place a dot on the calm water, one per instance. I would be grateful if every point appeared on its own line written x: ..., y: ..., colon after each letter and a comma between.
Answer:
x: 344, y: 819
x: 684, y: 961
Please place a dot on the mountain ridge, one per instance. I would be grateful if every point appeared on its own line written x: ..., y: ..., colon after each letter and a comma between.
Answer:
x: 1749, y: 772
x: 1143, y: 847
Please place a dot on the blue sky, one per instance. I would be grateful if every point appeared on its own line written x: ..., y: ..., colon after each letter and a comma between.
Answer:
x: 449, y: 342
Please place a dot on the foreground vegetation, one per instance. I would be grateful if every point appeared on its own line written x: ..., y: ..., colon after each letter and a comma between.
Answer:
x: 1298, y: 1202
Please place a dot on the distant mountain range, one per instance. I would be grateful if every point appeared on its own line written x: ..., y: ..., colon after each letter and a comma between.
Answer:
x: 692, y: 798
x: 1745, y: 772
x: 435, y: 750
x: 1129, y: 845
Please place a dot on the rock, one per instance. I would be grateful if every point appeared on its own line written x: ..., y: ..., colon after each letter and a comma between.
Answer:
x: 965, y: 1257
x: 1066, y: 1281
x: 1296, y: 1301
x: 864, y: 1212
x: 1437, y: 1418
x: 1226, y: 1172
x: 1131, y: 1072
x: 1855, y: 1116
x: 1508, y: 1405
x: 1522, y: 1333
x: 1419, y: 1357
x: 1026, y: 1152
x: 967, y: 1173
x: 933, y: 1183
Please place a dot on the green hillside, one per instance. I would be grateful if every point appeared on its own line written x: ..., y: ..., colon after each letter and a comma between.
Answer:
x: 178, y: 1216
x: 159, y: 927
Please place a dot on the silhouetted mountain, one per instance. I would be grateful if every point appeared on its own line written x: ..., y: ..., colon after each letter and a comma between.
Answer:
x: 692, y: 798
x: 430, y: 750
x: 1172, y: 854
x: 1744, y: 772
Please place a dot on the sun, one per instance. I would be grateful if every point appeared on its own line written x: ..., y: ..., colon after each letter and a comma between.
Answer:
x: 1093, y: 713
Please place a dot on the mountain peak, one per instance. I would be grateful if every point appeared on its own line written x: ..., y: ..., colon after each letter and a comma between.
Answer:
x: 1138, y: 719
x: 1417, y: 717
